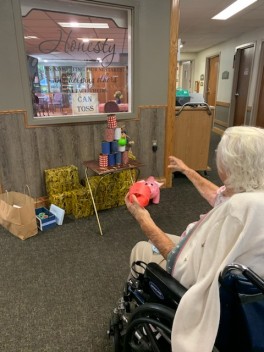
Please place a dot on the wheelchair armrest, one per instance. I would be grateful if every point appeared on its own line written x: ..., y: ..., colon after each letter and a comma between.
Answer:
x: 248, y: 273
x: 169, y: 286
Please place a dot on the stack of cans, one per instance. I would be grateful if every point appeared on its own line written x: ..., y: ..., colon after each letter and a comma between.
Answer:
x: 113, y: 151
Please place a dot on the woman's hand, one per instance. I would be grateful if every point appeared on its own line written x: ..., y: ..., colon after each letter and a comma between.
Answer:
x: 135, y: 208
x: 176, y: 164
x: 149, y: 228
x: 206, y: 188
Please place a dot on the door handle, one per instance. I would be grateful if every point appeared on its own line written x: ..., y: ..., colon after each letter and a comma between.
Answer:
x: 237, y: 95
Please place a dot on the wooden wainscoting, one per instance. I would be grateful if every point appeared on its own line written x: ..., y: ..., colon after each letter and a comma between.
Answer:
x: 27, y: 152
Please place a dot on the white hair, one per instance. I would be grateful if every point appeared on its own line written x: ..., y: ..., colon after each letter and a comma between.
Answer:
x: 240, y: 157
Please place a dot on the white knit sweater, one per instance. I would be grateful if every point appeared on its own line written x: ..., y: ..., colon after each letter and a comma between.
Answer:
x: 231, y: 232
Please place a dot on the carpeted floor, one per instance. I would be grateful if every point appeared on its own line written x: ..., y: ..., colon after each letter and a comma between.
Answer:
x: 58, y: 289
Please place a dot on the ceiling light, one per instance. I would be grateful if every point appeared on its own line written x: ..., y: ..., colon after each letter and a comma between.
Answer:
x: 30, y: 37
x: 234, y: 8
x: 83, y: 25
x: 86, y: 40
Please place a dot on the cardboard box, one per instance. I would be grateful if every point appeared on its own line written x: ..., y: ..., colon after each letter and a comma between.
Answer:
x: 45, y: 219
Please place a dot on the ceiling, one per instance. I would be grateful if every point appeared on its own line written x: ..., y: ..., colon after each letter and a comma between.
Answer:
x: 57, y: 43
x: 196, y: 28
x: 200, y: 32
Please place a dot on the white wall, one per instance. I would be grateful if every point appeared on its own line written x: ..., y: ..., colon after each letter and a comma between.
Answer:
x: 153, y: 51
x: 11, y: 87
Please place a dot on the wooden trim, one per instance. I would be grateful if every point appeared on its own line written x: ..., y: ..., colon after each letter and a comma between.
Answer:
x: 142, y: 107
x: 146, y: 107
x: 221, y: 123
x: 222, y: 103
x: 11, y: 112
x: 170, y: 117
x: 24, y: 113
x: 218, y: 131
x: 16, y: 112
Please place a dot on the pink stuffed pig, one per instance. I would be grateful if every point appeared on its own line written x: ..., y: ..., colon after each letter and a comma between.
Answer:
x: 154, y: 188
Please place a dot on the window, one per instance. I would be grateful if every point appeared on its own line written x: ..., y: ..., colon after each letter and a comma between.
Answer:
x: 77, y: 60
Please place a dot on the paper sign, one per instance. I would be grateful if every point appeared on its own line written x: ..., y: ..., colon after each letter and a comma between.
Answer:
x: 84, y: 103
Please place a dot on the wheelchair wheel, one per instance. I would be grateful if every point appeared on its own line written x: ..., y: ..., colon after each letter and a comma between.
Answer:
x: 149, y: 329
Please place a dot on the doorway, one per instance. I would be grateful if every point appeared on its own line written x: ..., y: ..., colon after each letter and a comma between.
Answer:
x: 242, y: 74
x: 212, y: 69
x: 184, y: 75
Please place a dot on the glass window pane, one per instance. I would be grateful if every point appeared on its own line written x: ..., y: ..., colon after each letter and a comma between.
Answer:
x: 78, y: 60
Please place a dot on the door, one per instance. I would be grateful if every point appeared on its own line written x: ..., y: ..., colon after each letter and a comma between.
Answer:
x: 243, y: 65
x: 260, y: 104
x: 212, y: 69
x: 260, y: 113
x: 186, y: 75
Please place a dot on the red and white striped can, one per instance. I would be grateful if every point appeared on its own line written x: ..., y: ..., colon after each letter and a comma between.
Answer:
x: 103, y: 160
x: 111, y: 121
x: 109, y: 134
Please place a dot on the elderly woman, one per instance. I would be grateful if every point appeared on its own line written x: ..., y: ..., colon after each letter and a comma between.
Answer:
x: 232, y: 231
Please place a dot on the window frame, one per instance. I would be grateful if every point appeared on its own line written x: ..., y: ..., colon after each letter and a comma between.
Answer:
x: 31, y: 121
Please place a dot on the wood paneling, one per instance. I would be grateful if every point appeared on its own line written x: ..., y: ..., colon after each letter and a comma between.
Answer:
x: 192, y: 137
x: 170, y: 118
x: 27, y: 152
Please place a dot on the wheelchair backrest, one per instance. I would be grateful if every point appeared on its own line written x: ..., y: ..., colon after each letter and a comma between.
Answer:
x: 241, y: 326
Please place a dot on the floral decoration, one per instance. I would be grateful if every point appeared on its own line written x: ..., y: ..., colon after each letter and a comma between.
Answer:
x: 118, y: 95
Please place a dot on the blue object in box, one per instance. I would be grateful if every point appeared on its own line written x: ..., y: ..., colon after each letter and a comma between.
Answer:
x: 45, y: 219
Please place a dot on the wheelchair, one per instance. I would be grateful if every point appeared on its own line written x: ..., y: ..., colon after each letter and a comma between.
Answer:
x: 142, y: 320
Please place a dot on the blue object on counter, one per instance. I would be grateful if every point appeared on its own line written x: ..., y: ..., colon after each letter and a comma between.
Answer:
x: 105, y: 147
x: 111, y: 159
x: 118, y: 158
x: 182, y: 97
x: 114, y: 147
